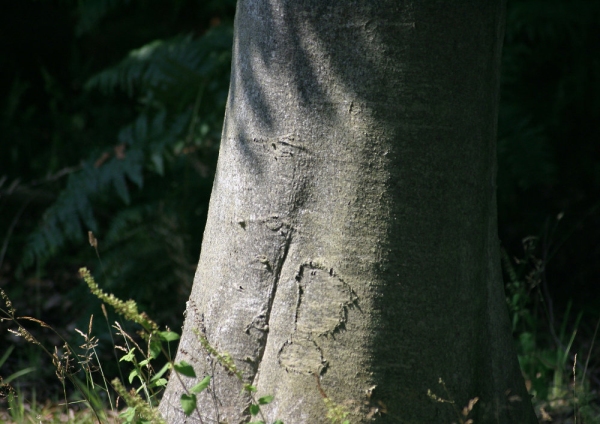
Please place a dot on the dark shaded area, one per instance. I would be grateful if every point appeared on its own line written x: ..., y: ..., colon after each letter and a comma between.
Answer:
x: 549, y: 154
x: 129, y: 154
x: 94, y: 137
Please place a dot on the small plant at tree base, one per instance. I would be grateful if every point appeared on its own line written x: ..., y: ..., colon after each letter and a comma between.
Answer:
x: 141, y: 410
x: 189, y: 400
x: 335, y: 413
x: 462, y: 415
x: 126, y: 309
x: 546, y: 351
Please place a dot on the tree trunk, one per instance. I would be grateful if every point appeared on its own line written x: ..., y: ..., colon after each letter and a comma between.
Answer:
x: 351, y: 237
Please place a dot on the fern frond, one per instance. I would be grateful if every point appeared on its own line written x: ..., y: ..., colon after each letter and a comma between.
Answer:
x: 71, y: 216
x: 171, y: 78
x: 124, y: 221
x: 166, y: 64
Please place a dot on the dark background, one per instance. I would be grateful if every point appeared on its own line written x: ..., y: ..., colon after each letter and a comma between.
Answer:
x: 110, y: 118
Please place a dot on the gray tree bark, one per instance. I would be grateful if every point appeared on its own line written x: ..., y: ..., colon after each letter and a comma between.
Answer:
x: 351, y: 236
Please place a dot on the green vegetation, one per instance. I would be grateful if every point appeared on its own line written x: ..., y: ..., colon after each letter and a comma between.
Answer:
x: 142, y: 399
x: 557, y: 380
x: 110, y: 122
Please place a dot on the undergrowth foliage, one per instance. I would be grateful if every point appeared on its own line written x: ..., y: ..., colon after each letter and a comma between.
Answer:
x: 72, y: 211
x: 462, y: 415
x: 182, y: 105
x: 142, y: 400
x: 558, y: 382
x: 146, y: 383
x: 139, y: 407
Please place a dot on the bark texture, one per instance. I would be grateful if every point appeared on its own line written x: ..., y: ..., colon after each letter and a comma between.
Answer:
x: 351, y: 236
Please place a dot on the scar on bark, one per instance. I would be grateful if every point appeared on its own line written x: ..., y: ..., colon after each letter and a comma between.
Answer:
x: 281, y: 147
x: 302, y: 356
x: 323, y: 300
x: 321, y: 311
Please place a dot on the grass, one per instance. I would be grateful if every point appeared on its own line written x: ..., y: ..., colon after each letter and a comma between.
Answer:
x: 21, y: 411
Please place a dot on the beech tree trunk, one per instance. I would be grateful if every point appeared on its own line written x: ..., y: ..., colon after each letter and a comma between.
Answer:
x: 351, y: 237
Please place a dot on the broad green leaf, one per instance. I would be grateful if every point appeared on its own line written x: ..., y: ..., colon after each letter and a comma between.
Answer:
x: 159, y: 383
x: 254, y: 409
x: 184, y: 368
x: 162, y: 371
x: 188, y: 403
x: 265, y: 400
x: 155, y: 348
x: 168, y: 336
x: 201, y: 386
x: 129, y: 357
x: 133, y: 374
x: 128, y: 415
